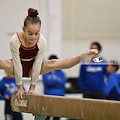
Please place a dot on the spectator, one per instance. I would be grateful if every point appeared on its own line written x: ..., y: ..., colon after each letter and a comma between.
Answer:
x: 54, y: 83
x: 112, y: 87
x: 7, y: 87
x: 91, y: 78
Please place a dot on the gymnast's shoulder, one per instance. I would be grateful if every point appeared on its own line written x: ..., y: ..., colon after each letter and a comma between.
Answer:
x: 14, y: 40
x: 42, y: 41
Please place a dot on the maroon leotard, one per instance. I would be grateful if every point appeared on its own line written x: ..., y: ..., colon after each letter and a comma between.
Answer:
x: 25, y: 55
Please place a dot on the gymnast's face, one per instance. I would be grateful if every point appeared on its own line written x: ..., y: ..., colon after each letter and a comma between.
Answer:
x: 31, y: 33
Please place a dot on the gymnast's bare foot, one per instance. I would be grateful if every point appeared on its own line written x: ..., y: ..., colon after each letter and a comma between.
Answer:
x: 87, y: 56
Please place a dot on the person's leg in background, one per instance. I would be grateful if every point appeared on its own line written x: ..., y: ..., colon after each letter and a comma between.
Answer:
x: 17, y: 116
x: 8, y: 117
x: 47, y: 118
x: 56, y: 118
x: 93, y: 94
x: 8, y: 111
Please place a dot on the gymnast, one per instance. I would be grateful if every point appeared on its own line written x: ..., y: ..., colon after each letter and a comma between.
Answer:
x: 28, y: 48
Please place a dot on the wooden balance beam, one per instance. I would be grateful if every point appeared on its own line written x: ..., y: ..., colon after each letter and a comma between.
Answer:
x: 84, y: 109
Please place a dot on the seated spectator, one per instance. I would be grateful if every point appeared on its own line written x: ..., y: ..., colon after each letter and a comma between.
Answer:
x: 7, y: 88
x: 112, y: 87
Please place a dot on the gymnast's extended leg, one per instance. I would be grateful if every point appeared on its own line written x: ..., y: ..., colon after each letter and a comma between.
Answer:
x: 51, y: 65
x: 7, y: 66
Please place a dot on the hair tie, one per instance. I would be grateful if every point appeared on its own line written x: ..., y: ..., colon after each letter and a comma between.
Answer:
x: 33, y: 14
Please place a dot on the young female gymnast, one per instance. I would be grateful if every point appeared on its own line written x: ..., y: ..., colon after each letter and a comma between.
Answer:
x: 28, y: 48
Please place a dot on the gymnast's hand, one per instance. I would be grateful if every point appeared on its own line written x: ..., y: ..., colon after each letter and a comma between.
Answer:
x: 87, y: 56
x: 32, y: 89
x: 19, y: 95
x: 31, y: 92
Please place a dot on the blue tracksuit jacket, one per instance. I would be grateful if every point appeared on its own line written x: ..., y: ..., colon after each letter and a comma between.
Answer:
x: 92, y: 75
x: 54, y: 83
x: 112, y: 87
x: 7, y: 87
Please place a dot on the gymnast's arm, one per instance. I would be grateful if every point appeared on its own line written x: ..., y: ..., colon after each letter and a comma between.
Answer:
x: 38, y: 62
x: 14, y: 47
x: 51, y: 65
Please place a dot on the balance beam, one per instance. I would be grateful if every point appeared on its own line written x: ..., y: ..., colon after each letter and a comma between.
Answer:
x: 84, y: 109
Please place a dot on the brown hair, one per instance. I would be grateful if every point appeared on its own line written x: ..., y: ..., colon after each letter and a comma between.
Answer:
x: 32, y: 17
